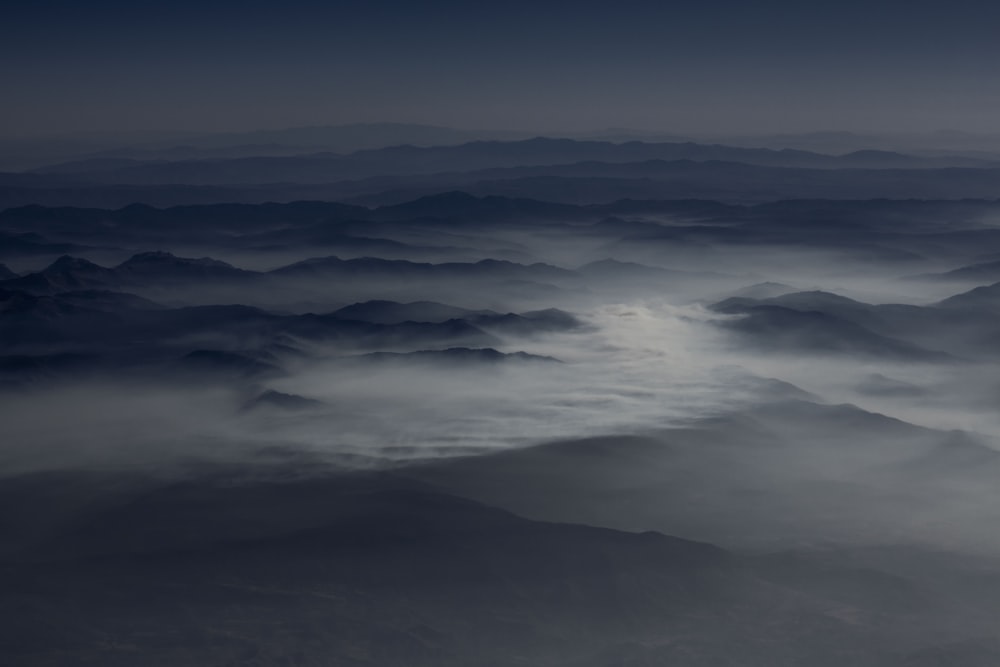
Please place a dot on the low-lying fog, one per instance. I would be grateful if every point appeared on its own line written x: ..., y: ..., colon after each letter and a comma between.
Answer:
x: 650, y: 353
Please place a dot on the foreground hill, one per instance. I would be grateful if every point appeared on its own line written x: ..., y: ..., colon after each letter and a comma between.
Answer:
x: 371, y: 572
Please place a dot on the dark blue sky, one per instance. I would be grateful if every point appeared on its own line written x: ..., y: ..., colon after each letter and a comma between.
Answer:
x: 713, y: 65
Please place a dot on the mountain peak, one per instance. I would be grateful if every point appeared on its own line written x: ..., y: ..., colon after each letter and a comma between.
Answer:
x: 68, y: 263
x: 163, y: 258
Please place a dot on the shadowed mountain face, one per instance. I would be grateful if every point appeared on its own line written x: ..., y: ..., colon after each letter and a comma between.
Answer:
x: 779, y: 328
x: 375, y: 571
x: 72, y: 273
x: 552, y: 402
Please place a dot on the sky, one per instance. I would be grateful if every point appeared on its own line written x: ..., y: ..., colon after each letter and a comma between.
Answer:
x: 698, y: 66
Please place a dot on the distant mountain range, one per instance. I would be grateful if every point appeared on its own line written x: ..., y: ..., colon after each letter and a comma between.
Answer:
x: 17, y: 154
x: 413, y: 160
x: 29, y: 153
x: 562, y: 170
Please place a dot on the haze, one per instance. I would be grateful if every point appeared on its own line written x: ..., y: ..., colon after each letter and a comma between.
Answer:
x: 718, y: 67
x: 549, y: 334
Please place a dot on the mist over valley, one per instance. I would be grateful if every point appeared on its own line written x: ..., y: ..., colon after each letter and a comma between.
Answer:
x: 448, y: 420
